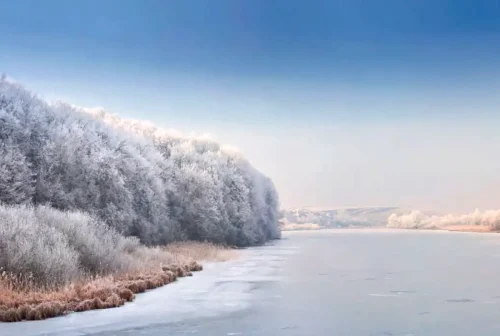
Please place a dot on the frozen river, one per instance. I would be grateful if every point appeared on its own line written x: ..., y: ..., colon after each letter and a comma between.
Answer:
x: 341, y: 282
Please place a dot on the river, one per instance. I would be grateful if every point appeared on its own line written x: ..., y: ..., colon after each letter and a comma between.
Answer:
x: 337, y: 282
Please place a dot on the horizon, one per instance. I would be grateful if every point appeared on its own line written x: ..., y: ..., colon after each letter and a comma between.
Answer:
x: 339, y: 103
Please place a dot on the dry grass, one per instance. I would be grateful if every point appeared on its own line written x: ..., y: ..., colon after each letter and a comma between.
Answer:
x: 21, y: 299
x: 201, y: 251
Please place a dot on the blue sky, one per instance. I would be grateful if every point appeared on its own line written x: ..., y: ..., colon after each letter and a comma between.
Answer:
x: 312, y: 91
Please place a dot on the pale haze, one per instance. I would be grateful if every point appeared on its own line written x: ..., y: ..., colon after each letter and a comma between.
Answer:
x: 401, y: 114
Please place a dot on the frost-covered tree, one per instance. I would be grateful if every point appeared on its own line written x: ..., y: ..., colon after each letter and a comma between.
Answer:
x: 16, y: 178
x: 141, y: 180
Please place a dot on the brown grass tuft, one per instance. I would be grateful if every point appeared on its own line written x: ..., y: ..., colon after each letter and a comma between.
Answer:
x: 194, y: 266
x: 180, y: 271
x: 125, y: 294
x: 24, y: 311
x: 84, y: 306
x: 22, y: 300
x: 10, y: 315
x: 114, y: 301
x: 50, y: 309
x: 33, y: 314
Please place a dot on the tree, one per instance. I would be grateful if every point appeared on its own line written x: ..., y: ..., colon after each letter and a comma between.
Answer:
x: 16, y: 177
x: 141, y: 180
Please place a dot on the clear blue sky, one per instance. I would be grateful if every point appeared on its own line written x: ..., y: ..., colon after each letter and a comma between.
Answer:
x: 340, y: 102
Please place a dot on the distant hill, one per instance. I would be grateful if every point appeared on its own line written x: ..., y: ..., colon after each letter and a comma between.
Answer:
x: 311, y: 218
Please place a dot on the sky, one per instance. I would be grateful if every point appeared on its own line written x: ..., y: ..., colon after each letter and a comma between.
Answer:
x: 341, y: 103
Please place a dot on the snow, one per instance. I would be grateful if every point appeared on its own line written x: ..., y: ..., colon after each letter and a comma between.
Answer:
x: 221, y: 288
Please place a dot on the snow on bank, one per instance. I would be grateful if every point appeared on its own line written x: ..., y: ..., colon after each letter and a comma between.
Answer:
x: 418, y: 220
x: 220, y: 288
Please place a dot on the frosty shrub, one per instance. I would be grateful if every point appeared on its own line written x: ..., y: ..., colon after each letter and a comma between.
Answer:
x: 54, y: 247
x: 100, y: 249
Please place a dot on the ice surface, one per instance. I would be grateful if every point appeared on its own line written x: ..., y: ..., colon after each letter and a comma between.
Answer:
x: 220, y: 288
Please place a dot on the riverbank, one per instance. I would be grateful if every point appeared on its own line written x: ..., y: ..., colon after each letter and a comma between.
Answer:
x: 21, y: 299
x: 469, y: 228
x: 455, y: 228
x: 299, y: 227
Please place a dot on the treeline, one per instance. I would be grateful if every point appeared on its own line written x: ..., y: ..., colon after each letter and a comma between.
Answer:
x: 138, y: 179
x: 334, y: 218
x: 420, y: 220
